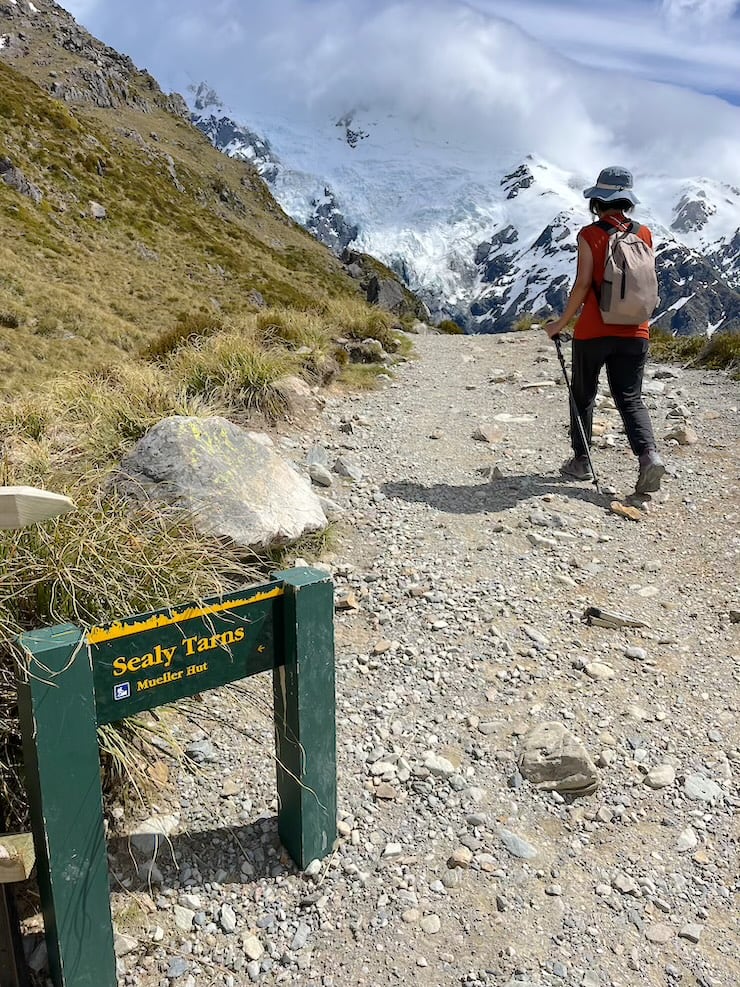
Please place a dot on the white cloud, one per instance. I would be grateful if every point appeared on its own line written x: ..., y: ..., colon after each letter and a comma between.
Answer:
x: 663, y: 40
x: 702, y: 11
x: 449, y: 68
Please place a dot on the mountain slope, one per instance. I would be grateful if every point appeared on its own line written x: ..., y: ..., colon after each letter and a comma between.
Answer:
x: 484, y: 239
x: 117, y: 214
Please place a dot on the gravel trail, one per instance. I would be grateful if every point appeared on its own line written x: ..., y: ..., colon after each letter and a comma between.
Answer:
x: 463, y: 569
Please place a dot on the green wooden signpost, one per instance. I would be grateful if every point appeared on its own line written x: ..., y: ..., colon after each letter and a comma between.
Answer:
x: 77, y: 681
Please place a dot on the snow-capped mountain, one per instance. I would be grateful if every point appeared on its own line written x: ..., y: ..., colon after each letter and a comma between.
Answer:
x: 483, y: 238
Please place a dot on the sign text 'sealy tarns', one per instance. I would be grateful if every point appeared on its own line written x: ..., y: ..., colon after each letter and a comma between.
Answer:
x: 158, y: 658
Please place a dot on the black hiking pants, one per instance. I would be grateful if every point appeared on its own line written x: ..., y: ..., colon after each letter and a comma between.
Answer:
x: 625, y: 362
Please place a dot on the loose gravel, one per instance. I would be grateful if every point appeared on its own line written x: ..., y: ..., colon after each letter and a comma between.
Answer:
x: 464, y: 566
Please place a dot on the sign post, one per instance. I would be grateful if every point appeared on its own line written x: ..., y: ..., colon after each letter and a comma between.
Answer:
x: 78, y: 681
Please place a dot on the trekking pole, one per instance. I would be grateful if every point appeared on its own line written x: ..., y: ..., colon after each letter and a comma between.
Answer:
x: 576, y: 413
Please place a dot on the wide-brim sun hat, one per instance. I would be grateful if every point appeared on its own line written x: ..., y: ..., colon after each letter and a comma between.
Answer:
x: 613, y: 183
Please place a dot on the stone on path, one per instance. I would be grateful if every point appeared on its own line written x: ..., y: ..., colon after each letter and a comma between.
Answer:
x: 345, y: 467
x: 462, y: 858
x: 184, y: 918
x: 439, y: 765
x: 688, y: 840
x: 153, y: 832
x: 227, y: 918
x: 661, y: 776
x: 516, y: 845
x: 253, y: 948
x: 488, y: 433
x: 320, y: 475
x: 702, y: 789
x: 691, y: 931
x: 625, y: 511
x: 553, y: 760
x: 684, y: 434
x: 431, y: 924
x: 600, y: 671
x: 231, y: 485
x: 659, y: 933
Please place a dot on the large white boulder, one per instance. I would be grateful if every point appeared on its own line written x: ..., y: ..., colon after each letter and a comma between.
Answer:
x: 232, y: 484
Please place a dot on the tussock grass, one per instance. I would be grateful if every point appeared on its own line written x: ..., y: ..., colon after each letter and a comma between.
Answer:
x: 718, y: 352
x: 189, y: 328
x: 236, y: 370
x: 106, y: 559
x: 362, y: 376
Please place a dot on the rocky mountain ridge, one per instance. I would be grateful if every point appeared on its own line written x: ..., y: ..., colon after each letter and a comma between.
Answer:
x: 523, y: 265
x: 120, y: 218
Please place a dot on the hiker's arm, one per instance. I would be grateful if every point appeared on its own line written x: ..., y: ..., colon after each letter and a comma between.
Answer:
x: 582, y: 286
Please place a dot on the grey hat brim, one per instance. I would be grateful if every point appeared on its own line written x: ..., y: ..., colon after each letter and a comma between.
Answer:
x: 610, y: 194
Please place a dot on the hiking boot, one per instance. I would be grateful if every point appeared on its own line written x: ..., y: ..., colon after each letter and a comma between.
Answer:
x: 577, y: 468
x: 652, y: 471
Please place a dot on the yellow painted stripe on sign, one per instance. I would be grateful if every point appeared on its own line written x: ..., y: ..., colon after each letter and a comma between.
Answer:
x: 97, y: 635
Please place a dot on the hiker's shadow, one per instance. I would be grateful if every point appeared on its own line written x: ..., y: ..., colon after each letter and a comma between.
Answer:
x: 229, y: 854
x: 490, y: 496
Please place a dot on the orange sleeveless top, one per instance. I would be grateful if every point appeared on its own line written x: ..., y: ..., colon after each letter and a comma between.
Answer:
x: 590, y: 325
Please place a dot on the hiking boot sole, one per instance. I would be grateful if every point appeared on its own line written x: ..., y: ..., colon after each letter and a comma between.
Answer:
x: 649, y: 478
x: 587, y: 475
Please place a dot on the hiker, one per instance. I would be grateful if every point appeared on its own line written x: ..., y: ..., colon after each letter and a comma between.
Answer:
x: 600, y: 338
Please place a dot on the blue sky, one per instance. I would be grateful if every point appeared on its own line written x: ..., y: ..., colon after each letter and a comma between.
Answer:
x: 690, y: 43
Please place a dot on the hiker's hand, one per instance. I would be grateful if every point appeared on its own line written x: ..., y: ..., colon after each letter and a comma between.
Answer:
x: 554, y: 329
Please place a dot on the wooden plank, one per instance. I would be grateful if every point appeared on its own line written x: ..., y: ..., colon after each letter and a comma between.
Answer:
x: 17, y: 858
x: 21, y: 506
x: 60, y: 751
x: 305, y: 717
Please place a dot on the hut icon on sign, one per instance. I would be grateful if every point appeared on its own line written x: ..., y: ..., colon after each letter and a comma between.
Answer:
x: 122, y: 691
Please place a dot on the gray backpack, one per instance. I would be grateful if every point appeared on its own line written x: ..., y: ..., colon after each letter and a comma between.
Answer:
x: 629, y: 292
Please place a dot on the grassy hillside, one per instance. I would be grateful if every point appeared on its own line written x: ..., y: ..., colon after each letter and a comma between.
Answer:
x: 194, y: 294
x: 187, y: 230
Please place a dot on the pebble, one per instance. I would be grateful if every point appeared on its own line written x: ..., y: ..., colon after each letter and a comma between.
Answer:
x: 659, y: 933
x: 661, y: 776
x: 688, y: 840
x: 517, y: 846
x: 431, y: 924
x: 462, y: 857
x: 301, y: 937
x: 702, y: 789
x: 626, y: 885
x: 691, y: 931
x: 600, y: 671
x: 227, y: 918
x: 320, y: 475
x: 184, y: 918
x: 178, y: 967
x: 440, y: 766
x: 637, y: 654
x: 253, y: 948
